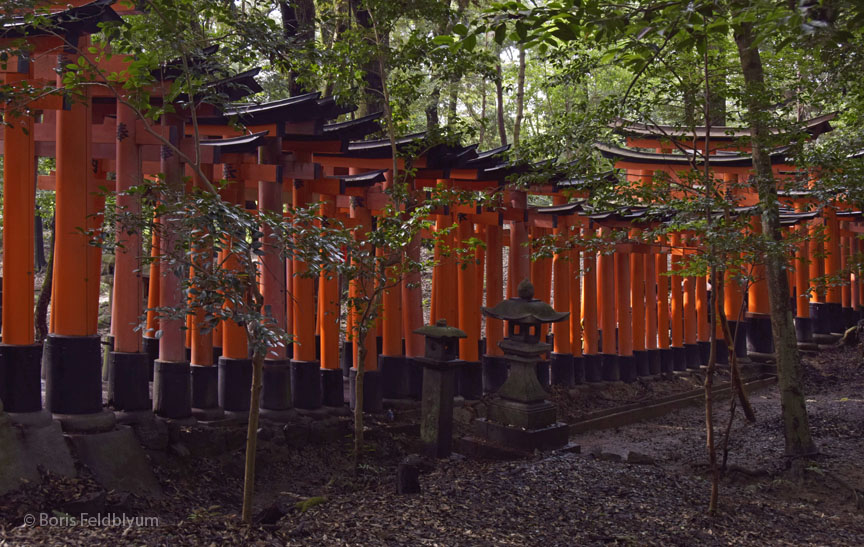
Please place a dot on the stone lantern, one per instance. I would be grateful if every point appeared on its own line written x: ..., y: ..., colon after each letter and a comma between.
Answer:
x: 519, y: 416
x: 439, y: 387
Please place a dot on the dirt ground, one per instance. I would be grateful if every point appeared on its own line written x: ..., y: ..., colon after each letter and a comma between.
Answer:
x: 309, y: 495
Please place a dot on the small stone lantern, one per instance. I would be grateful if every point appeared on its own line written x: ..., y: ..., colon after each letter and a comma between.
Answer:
x: 520, y: 416
x: 439, y: 379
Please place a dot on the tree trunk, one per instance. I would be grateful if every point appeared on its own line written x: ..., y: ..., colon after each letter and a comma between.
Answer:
x: 520, y: 97
x: 358, y: 395
x: 796, y: 426
x: 374, y: 93
x: 298, y: 27
x: 252, y: 436
x: 41, y: 312
x: 499, y: 90
x: 432, y: 110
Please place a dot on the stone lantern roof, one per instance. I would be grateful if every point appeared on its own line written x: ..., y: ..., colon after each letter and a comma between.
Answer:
x: 525, y: 309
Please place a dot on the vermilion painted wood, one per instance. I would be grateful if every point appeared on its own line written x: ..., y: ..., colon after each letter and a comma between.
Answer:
x: 562, y: 283
x: 356, y: 290
x: 172, y: 344
x: 96, y: 183
x: 676, y: 297
x: 328, y: 309
x: 469, y: 313
x: 607, y: 297
x: 652, y: 299
x: 494, y: 287
x: 637, y: 298
x: 622, y: 299
x: 757, y: 299
x: 690, y: 317
x: 235, y: 343
x: 72, y: 274
x: 18, y: 217
x: 128, y: 287
x: 412, y: 304
x: 575, y: 294
x: 589, y: 300
x: 703, y: 327
x: 832, y: 261
x: 661, y: 263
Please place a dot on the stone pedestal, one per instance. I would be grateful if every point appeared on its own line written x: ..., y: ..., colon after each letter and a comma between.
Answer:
x: 394, y: 376
x: 74, y: 374
x: 205, y: 392
x: 128, y: 384
x: 804, y: 333
x: 610, y: 368
x: 627, y: 368
x: 21, y: 377
x: 667, y: 360
x: 171, y: 389
x: 593, y: 368
x: 643, y: 362
x: 495, y: 370
x: 372, y: 395
x: 436, y: 407
x: 692, y: 356
x: 276, y: 385
x: 561, y: 371
x: 306, y: 384
x: 235, y: 384
x: 679, y: 358
x: 760, y: 342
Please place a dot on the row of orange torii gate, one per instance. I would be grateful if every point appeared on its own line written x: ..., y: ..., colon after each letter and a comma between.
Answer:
x: 628, y: 319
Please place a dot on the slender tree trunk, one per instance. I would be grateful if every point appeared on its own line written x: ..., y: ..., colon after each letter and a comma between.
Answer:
x: 499, y: 91
x: 520, y: 97
x: 795, y: 421
x: 41, y: 311
x: 298, y: 27
x: 358, y: 395
x: 432, y: 121
x: 252, y: 435
x: 482, y: 132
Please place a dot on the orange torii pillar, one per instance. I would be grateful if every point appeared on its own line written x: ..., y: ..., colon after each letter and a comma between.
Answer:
x: 276, y: 370
x: 855, y: 276
x: 128, y: 366
x: 803, y: 322
x: 676, y: 317
x: 20, y: 355
x: 818, y: 311
x: 733, y: 303
x: 332, y: 392
x: 637, y: 304
x: 833, y: 295
x: 607, y: 298
x: 470, y: 381
x: 691, y: 348
x: 624, y: 314
x: 590, y: 329
x: 171, y: 372
x: 575, y: 319
x: 849, y: 319
x: 520, y: 252
x: 494, y: 364
x: 655, y: 358
x: 412, y: 319
x: 664, y: 342
x: 73, y: 354
x: 391, y: 361
x: 541, y: 278
x: 204, y: 375
x: 372, y: 395
x: 305, y: 368
x: 760, y: 342
x: 561, y: 360
x: 703, y: 326
x: 235, y: 366
x: 444, y: 276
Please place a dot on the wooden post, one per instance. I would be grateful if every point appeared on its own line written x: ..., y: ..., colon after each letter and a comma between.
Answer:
x: 21, y: 359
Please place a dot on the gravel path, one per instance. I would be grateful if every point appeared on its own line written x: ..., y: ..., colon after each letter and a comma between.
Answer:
x: 559, y: 499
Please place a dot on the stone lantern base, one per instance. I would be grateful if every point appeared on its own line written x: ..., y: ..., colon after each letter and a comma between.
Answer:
x: 524, y: 440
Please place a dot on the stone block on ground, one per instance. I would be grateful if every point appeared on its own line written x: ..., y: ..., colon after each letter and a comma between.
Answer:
x: 47, y: 448
x: 117, y: 461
